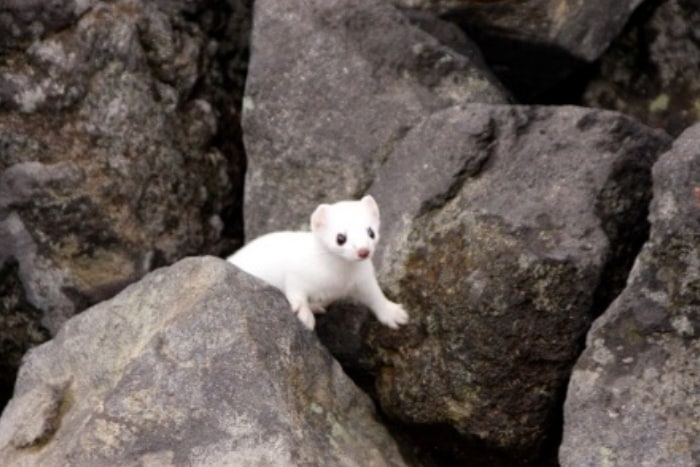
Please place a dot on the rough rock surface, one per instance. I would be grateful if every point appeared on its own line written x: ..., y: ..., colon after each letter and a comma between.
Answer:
x: 579, y: 28
x: 23, y: 21
x: 514, y: 227
x: 196, y: 365
x: 650, y: 72
x: 333, y: 86
x: 634, y: 397
x: 112, y: 159
x: 531, y: 44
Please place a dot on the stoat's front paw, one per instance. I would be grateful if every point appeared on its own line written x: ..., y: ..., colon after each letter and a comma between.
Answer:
x: 392, y: 315
x: 307, y: 318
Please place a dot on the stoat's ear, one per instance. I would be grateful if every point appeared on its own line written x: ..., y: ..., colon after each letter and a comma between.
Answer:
x: 371, y: 205
x: 319, y: 217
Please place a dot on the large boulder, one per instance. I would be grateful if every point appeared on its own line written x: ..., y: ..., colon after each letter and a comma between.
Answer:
x: 506, y: 230
x: 333, y: 87
x: 113, y: 160
x: 197, y: 364
x: 663, y: 92
x: 533, y: 44
x: 634, y: 397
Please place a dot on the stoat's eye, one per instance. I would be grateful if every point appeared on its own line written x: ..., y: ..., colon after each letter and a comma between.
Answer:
x: 341, y: 239
x: 370, y: 232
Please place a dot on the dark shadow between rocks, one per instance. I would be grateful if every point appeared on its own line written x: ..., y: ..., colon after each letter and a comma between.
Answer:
x: 344, y: 330
x: 21, y: 327
x: 534, y: 73
x: 229, y: 24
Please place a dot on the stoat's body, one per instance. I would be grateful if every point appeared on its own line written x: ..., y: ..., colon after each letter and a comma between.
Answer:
x: 331, y: 262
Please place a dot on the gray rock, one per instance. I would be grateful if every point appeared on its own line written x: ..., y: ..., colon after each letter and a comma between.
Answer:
x: 197, y: 364
x: 505, y: 230
x: 333, y: 86
x: 533, y: 44
x: 583, y: 29
x: 22, y: 21
x: 111, y: 159
x: 634, y: 397
x: 664, y: 92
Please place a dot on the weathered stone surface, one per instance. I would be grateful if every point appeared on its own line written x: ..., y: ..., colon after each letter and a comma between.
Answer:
x: 22, y: 21
x: 333, y: 86
x: 113, y: 160
x: 634, y: 397
x: 532, y: 44
x: 196, y: 365
x: 583, y: 29
x: 505, y: 230
x: 650, y: 72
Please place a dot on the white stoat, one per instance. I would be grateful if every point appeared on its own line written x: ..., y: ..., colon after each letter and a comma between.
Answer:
x: 331, y: 262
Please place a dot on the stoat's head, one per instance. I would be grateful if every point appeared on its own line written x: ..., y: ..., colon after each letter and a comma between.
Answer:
x: 349, y: 229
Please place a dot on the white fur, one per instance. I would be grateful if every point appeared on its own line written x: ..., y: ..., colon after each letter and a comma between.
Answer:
x: 313, y: 270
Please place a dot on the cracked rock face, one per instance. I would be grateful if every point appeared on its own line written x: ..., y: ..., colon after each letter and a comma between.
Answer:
x: 332, y: 87
x: 199, y: 365
x: 108, y: 160
x: 503, y: 260
x: 634, y: 397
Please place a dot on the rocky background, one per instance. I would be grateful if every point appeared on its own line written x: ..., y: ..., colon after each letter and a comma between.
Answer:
x: 537, y: 164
